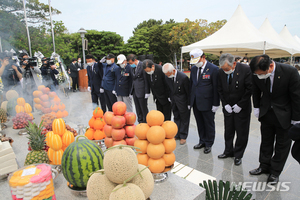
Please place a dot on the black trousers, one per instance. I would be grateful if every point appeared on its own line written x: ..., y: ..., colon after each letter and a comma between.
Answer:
x: 110, y: 99
x: 165, y: 109
x: 182, y: 119
x: 96, y: 97
x: 206, y: 126
x: 240, y: 124
x: 75, y: 83
x: 141, y: 107
x: 273, y: 157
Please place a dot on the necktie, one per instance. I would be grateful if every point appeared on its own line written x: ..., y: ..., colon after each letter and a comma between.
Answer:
x: 199, y: 73
x: 268, y: 84
x: 229, y: 78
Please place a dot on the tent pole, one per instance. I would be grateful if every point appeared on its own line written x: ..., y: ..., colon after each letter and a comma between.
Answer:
x: 264, y: 47
x: 181, y: 59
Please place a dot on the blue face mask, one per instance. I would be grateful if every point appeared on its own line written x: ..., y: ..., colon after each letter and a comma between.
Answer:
x: 133, y: 65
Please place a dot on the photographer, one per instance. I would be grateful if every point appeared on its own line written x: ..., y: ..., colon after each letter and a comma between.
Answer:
x: 48, y: 72
x: 30, y: 79
x: 10, y: 73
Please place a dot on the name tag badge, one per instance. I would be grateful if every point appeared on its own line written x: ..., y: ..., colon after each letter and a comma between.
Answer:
x: 126, y: 74
x: 206, y: 76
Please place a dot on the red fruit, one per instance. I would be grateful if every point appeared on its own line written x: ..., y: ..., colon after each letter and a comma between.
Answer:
x: 107, y: 130
x: 119, y: 142
x: 130, y: 130
x: 118, y: 134
x: 130, y: 118
x: 108, y: 117
x: 130, y: 141
x: 118, y: 122
x: 108, y: 142
x: 119, y: 108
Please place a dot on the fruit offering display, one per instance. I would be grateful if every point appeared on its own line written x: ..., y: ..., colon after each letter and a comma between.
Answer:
x: 81, y: 158
x: 96, y: 123
x: 47, y: 119
x: 36, y: 144
x: 156, y: 142
x: 21, y: 120
x: 119, y: 128
x: 3, y: 116
x: 49, y: 102
x: 121, y: 178
x: 22, y: 106
x: 32, y: 182
x: 58, y: 140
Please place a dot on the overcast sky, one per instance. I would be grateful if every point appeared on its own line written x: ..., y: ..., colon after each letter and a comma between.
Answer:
x: 123, y: 16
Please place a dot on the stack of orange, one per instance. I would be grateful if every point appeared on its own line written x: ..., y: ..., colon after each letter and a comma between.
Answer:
x: 96, y: 123
x: 58, y: 140
x: 156, y: 141
x: 23, y: 107
x: 58, y: 108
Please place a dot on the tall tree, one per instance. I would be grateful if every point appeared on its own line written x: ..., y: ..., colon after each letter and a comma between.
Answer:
x: 148, y: 24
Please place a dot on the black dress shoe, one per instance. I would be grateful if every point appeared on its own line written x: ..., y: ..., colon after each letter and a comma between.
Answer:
x: 199, y: 146
x: 223, y: 155
x: 273, y: 179
x: 207, y: 150
x: 177, y: 138
x: 237, y: 161
x: 258, y: 171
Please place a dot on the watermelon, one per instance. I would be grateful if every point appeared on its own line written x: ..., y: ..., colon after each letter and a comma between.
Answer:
x: 79, y: 159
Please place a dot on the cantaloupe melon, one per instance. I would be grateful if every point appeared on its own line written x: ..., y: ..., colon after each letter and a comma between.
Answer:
x: 128, y: 192
x: 10, y: 94
x: 99, y: 187
x: 4, y: 105
x: 145, y: 182
x: 120, y: 163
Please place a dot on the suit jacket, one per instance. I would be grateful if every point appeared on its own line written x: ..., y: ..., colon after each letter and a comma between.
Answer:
x: 285, y: 96
x: 95, y: 77
x: 108, y: 81
x: 179, y: 90
x: 123, y: 80
x: 158, y: 85
x: 74, y: 70
x: 239, y: 91
x: 205, y: 91
x: 140, y: 85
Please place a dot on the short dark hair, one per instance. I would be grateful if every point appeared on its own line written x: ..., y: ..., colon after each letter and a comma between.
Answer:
x: 237, y: 58
x: 89, y: 56
x: 261, y: 62
x: 110, y: 56
x: 73, y: 59
x: 22, y: 55
x: 131, y: 57
x: 147, y: 63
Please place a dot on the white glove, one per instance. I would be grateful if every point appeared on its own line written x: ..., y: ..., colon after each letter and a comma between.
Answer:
x: 147, y: 96
x: 114, y: 92
x: 214, y: 108
x: 228, y: 108
x: 236, y: 108
x: 169, y: 100
x: 101, y: 90
x: 295, y: 122
x: 256, y: 112
x: 89, y: 89
x: 103, y: 59
x: 189, y: 107
x: 130, y: 96
x: 78, y: 69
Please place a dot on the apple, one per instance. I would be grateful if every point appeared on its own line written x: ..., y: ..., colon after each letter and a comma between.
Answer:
x: 130, y: 118
x: 119, y: 142
x: 130, y: 141
x: 118, y: 134
x: 119, y: 108
x: 108, y: 117
x: 107, y: 130
x: 108, y: 141
x: 130, y: 131
x: 118, y: 122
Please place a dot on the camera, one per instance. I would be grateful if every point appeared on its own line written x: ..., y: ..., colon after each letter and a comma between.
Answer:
x: 12, y: 58
x: 49, y: 61
x: 30, y: 62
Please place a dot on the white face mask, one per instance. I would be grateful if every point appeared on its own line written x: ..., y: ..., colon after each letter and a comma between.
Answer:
x: 79, y: 61
x: 199, y: 64
x: 150, y: 73
x: 263, y: 76
x: 90, y: 64
x: 171, y: 76
x: 108, y: 62
x: 122, y: 66
x: 229, y: 72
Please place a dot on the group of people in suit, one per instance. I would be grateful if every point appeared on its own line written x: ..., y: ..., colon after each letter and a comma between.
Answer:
x: 274, y: 87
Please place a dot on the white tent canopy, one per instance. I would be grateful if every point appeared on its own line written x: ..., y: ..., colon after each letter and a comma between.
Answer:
x: 297, y: 38
x: 290, y: 40
x: 238, y: 37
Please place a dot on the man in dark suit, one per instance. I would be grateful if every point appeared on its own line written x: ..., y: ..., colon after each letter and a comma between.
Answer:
x: 179, y: 90
x: 157, y: 81
x: 108, y: 81
x: 204, y: 98
x: 235, y: 89
x: 276, y: 101
x: 74, y: 74
x: 95, y: 75
x: 140, y: 88
x: 124, y: 82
